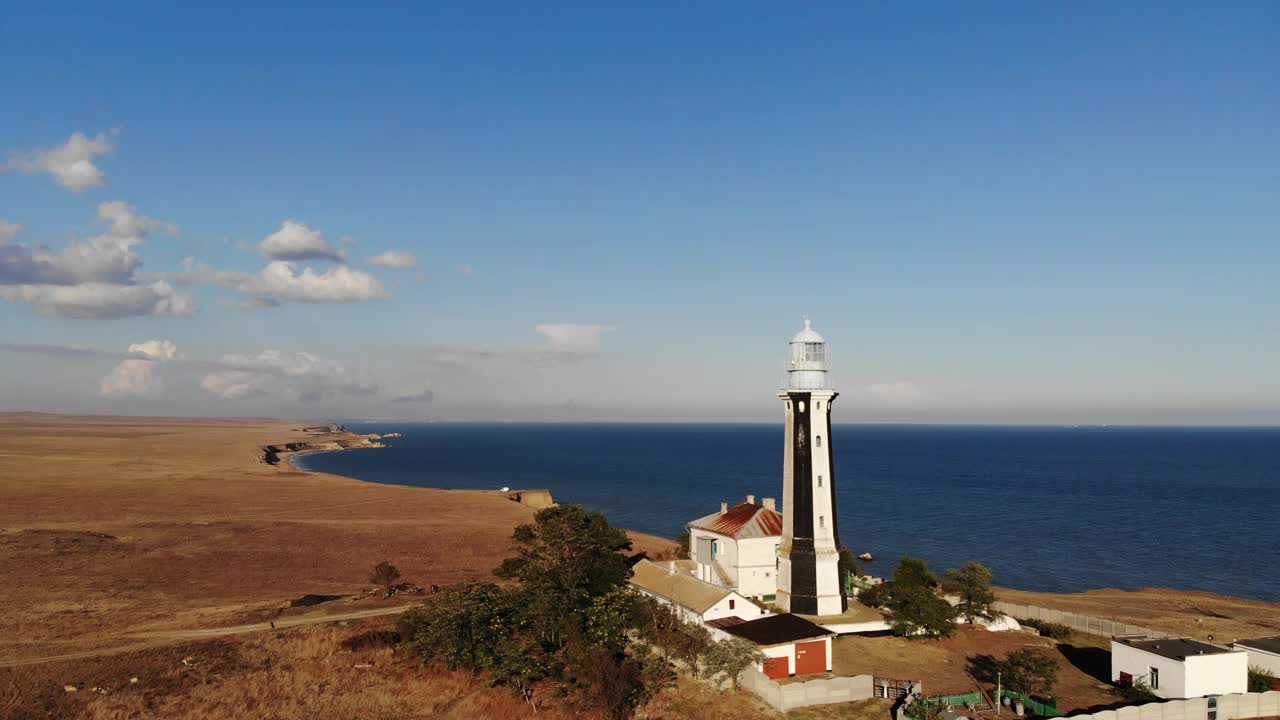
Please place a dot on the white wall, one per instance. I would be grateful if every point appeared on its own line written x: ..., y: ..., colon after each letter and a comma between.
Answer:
x: 1220, y: 674
x: 1262, y: 659
x: 757, y: 566
x: 726, y: 555
x: 1138, y: 663
x: 742, y: 608
x: 1197, y: 676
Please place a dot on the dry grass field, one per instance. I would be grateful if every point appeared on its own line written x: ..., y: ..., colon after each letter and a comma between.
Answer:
x: 110, y: 527
x: 1185, y: 612
x: 116, y: 532
x: 949, y: 666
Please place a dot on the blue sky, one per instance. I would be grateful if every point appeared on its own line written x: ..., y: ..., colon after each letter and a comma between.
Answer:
x: 1009, y: 212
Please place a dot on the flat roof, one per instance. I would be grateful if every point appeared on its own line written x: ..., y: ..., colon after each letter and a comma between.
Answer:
x: 777, y: 630
x: 1175, y: 648
x: 1266, y: 644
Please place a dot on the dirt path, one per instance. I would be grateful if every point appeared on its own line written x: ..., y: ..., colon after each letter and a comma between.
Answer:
x: 173, y: 637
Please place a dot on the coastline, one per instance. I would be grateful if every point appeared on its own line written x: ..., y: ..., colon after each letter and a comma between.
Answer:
x: 1196, y: 613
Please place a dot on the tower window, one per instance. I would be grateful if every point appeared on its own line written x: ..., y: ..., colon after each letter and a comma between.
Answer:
x: 822, y: 521
x: 819, y: 441
x: 819, y: 481
x: 819, y: 404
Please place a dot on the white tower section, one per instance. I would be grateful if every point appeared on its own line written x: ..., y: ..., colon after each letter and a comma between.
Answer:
x: 808, y: 556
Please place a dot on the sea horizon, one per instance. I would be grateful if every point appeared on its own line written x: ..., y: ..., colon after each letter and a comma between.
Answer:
x: 1049, y: 508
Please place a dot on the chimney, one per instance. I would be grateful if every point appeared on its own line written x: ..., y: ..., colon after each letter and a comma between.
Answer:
x: 771, y: 504
x: 724, y: 508
x: 751, y: 499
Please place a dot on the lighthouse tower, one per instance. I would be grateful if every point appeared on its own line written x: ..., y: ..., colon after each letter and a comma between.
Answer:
x: 808, y: 556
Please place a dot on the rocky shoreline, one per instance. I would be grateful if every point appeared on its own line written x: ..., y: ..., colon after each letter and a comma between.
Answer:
x: 323, y: 438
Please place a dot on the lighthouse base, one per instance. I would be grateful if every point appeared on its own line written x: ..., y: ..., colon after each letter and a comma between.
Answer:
x: 809, y: 582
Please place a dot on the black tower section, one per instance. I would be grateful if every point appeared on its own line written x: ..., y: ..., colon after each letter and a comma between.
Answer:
x: 831, y: 488
x: 804, y: 565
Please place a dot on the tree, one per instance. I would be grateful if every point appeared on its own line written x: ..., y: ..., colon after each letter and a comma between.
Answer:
x: 914, y: 604
x: 729, y: 658
x: 384, y: 575
x: 563, y: 560
x: 465, y: 626
x: 918, y: 709
x: 1261, y: 679
x: 1030, y: 671
x: 972, y: 583
x: 875, y: 596
x: 609, y: 681
x: 848, y: 563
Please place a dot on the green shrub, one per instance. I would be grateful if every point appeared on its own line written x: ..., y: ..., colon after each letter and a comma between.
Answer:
x: 1052, y: 630
x: 1260, y: 679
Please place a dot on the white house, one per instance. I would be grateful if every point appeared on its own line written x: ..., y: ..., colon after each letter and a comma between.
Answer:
x: 791, y: 645
x: 1263, y: 653
x: 1177, y: 669
x: 696, y: 600
x: 738, y: 547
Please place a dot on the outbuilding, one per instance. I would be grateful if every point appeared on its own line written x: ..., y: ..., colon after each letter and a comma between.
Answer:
x: 1179, y: 668
x: 1263, y: 653
x: 791, y: 644
x: 697, y: 601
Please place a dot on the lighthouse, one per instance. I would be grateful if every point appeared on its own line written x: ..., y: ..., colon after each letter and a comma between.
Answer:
x: 808, y: 555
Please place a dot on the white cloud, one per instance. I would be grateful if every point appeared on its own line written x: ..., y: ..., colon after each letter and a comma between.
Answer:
x: 70, y: 164
x: 295, y: 241
x: 100, y: 300
x: 896, y: 393
x: 281, y: 281
x: 138, y: 376
x: 236, y: 384
x: 155, y: 349
x: 572, y: 337
x: 395, y: 259
x: 8, y: 231
x: 96, y: 277
x: 307, y: 376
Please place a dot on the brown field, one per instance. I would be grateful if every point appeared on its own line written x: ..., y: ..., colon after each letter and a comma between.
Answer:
x: 167, y: 539
x: 956, y: 665
x: 111, y: 528
x: 1185, y: 612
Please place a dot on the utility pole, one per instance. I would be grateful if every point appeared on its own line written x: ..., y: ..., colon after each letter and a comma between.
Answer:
x: 998, y: 692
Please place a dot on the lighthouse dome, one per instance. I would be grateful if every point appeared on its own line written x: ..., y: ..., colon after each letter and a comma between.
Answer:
x: 807, y: 360
x: 807, y: 335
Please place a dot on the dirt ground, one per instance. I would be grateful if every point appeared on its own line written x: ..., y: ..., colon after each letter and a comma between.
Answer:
x: 959, y: 664
x: 110, y: 527
x: 1185, y: 612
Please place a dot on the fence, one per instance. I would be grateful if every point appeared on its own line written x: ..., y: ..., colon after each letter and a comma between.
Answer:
x: 1035, y: 706
x: 791, y: 695
x: 1084, y: 623
x: 961, y: 700
x: 1222, y: 707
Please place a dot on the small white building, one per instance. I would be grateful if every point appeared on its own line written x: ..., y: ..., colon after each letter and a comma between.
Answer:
x: 697, y: 601
x: 1179, y: 668
x: 1263, y: 653
x: 791, y: 645
x: 738, y: 547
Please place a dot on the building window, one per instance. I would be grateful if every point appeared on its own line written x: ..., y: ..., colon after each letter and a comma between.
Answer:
x: 822, y: 522
x: 1155, y: 678
x: 730, y: 603
x: 819, y: 404
x: 819, y: 441
x: 819, y: 481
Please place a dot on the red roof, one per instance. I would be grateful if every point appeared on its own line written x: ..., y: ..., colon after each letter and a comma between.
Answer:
x: 743, y: 520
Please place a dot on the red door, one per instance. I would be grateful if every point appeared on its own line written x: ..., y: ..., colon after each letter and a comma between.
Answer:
x: 811, y: 657
x: 777, y: 668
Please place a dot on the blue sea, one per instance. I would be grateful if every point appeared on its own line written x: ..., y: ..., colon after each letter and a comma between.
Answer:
x: 1053, y: 509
